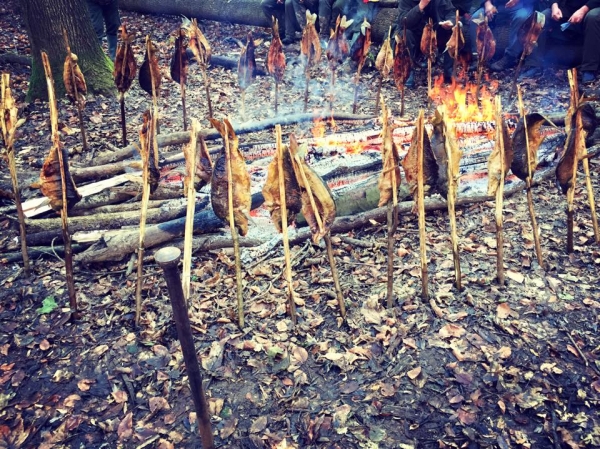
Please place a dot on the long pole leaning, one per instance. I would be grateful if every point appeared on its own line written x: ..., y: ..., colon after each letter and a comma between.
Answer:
x: 536, y: 234
x: 421, y: 208
x: 8, y: 120
x: 62, y: 162
x: 284, y: 226
x: 500, y: 196
x: 168, y: 259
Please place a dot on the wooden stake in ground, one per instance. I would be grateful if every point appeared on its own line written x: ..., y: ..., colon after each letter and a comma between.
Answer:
x: 337, y: 50
x: 486, y: 48
x: 429, y: 49
x: 402, y: 66
x: 67, y: 196
x: 497, y: 169
x: 150, y: 78
x: 147, y: 138
x: 453, y: 154
x: 528, y: 36
x: 389, y: 180
x: 359, y: 53
x: 75, y: 86
x: 230, y: 197
x: 179, y: 71
x: 202, y: 52
x: 530, y: 160
x: 276, y: 60
x: 189, y: 152
x: 124, y: 74
x: 384, y: 63
x: 318, y: 209
x: 246, y: 70
x: 310, y: 49
x: 9, y: 123
x: 421, y: 205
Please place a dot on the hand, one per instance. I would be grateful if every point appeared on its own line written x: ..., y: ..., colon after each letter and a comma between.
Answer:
x: 490, y: 10
x: 423, y: 4
x: 578, y: 15
x: 511, y: 4
x: 446, y: 24
x: 556, y: 12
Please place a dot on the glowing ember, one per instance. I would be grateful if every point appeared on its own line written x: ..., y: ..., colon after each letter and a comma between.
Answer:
x: 461, y: 102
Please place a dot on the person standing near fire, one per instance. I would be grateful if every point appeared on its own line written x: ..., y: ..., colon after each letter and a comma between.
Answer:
x: 415, y: 14
x: 517, y: 12
x: 570, y: 20
x: 106, y: 12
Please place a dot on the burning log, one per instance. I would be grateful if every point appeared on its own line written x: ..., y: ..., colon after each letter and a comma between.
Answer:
x: 486, y: 48
x: 497, y: 168
x: 337, y: 50
x: 124, y: 74
x: 202, y: 53
x: 402, y: 66
x: 75, y: 86
x: 8, y: 124
x: 384, y: 63
x: 230, y: 196
x: 429, y: 49
x: 389, y: 180
x: 179, y: 71
x: 359, y: 53
x: 310, y: 49
x: 57, y: 162
x: 246, y: 69
x: 528, y: 35
x: 276, y: 60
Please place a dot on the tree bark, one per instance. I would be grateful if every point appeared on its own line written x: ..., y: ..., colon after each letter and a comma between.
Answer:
x: 45, y: 21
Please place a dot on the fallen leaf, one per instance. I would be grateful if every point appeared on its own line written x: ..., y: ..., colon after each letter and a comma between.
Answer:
x: 503, y: 310
x: 125, y: 429
x: 258, y: 425
x: 414, y: 373
x: 451, y: 330
x: 515, y: 276
x: 119, y: 396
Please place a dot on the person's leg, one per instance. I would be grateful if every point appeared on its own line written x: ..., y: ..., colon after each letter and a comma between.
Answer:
x: 112, y: 22
x: 443, y: 36
x: 517, y: 17
x: 590, y: 62
x: 325, y: 19
x: 300, y: 8
x: 97, y: 19
x: 290, y: 21
x: 273, y: 9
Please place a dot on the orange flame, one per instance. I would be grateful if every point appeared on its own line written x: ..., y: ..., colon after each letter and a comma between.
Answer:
x: 461, y: 103
x: 318, y: 129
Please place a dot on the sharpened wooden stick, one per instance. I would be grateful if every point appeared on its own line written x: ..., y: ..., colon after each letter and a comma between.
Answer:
x: 536, y: 236
x: 307, y: 73
x: 455, y: 63
x: 284, y: 226
x: 421, y: 207
x: 207, y: 89
x: 500, y: 197
x: 378, y: 95
x: 392, y: 222
x: 590, y: 192
x: 244, y: 104
x: 332, y: 89
x: 190, y: 154
x: 8, y: 107
x: 402, y: 101
x: 62, y: 164
x: 572, y: 75
x: 234, y: 233
x: 276, y: 95
x: 123, y: 122
x: 452, y: 215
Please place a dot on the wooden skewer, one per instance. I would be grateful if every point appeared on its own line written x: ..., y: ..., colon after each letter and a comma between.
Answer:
x: 191, y: 208
x: 284, y: 227
x: 62, y: 164
x: 536, y: 236
x: 402, y: 101
x: 77, y: 99
x: 307, y: 74
x: 123, y: 123
x: 572, y: 74
x: 244, y: 104
x: 377, y: 96
x: 421, y: 208
x: 392, y: 223
x: 207, y: 89
x: 9, y: 135
x: 234, y: 233
x: 276, y: 95
x: 590, y: 192
x: 182, y: 83
x: 455, y: 64
x: 500, y: 197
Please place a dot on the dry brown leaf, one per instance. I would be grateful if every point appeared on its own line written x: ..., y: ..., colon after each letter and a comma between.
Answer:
x: 125, y: 428
x: 414, y: 373
x: 503, y: 311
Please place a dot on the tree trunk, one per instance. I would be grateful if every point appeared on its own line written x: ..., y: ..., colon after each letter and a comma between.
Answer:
x: 45, y: 21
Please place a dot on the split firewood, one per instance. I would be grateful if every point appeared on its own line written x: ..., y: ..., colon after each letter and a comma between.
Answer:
x: 276, y: 60
x: 429, y: 49
x: 9, y: 122
x: 528, y: 36
x: 189, y: 152
x: 389, y: 180
x: 402, y: 66
x: 384, y: 63
x: 55, y: 177
x: 124, y: 74
x: 75, y: 86
x: 246, y: 69
x: 498, y: 167
x: 202, y: 53
x: 358, y: 53
x: 486, y: 48
x: 455, y: 44
x: 310, y: 49
x: 230, y: 196
x: 337, y: 50
x: 179, y: 69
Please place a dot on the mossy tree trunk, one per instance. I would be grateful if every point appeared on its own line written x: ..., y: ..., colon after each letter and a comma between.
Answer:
x: 45, y: 20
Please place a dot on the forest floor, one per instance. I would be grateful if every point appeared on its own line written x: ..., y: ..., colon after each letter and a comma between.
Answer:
x: 511, y: 366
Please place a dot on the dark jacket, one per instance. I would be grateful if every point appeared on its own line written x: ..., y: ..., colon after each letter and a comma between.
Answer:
x: 438, y: 10
x: 568, y: 7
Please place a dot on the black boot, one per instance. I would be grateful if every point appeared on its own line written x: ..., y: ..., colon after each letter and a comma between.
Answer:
x: 112, y: 46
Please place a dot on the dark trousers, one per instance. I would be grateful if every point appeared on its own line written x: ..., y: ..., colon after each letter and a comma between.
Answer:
x: 413, y: 42
x: 329, y: 10
x: 589, y: 29
x: 291, y: 15
x: 102, y: 15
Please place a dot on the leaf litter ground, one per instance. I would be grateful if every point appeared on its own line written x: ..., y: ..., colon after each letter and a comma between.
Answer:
x: 491, y: 367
